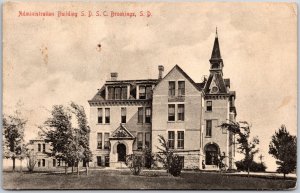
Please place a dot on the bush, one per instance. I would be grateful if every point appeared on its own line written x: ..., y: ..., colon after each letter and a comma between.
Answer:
x: 175, y: 166
x: 134, y: 162
x: 254, y: 166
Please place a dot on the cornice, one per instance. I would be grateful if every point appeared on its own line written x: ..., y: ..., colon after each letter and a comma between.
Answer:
x: 120, y: 102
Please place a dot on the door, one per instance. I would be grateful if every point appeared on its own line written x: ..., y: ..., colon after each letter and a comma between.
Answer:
x: 121, y: 149
x: 211, y: 154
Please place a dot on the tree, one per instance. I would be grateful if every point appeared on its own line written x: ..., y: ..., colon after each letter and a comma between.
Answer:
x: 58, y: 132
x: 13, y: 132
x: 31, y: 160
x: 82, y: 137
x: 165, y: 154
x: 69, y: 143
x: 171, y: 162
x: 283, y: 147
x: 246, y: 146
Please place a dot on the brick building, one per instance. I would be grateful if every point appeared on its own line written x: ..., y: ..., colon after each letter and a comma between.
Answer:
x: 128, y: 115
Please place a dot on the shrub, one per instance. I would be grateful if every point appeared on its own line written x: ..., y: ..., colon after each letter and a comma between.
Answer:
x: 254, y: 166
x: 175, y: 166
x: 134, y: 162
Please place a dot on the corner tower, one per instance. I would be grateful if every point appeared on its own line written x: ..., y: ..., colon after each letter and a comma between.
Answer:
x: 218, y: 108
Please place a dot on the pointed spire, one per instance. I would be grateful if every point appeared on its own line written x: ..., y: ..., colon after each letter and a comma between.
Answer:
x: 216, y: 59
x: 216, y: 54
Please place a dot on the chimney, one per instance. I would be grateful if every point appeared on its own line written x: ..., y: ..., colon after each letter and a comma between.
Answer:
x: 160, y: 71
x: 113, y: 76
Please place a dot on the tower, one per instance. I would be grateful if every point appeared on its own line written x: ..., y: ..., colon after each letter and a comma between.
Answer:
x: 218, y: 108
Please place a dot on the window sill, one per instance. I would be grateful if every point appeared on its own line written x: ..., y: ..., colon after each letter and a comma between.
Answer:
x: 207, y: 136
x: 208, y: 111
x: 102, y: 150
x: 103, y: 123
x: 175, y: 121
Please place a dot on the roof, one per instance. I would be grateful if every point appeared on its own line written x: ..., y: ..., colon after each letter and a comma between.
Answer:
x: 121, y: 133
x: 100, y: 95
x: 227, y: 82
x: 198, y: 86
x: 216, y: 54
x: 219, y: 82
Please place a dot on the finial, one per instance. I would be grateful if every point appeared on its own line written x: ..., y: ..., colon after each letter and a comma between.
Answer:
x: 216, y: 31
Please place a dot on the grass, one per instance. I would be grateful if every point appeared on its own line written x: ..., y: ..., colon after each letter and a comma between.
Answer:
x: 123, y: 179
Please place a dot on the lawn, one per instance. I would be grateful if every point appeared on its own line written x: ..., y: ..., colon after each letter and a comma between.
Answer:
x: 122, y: 179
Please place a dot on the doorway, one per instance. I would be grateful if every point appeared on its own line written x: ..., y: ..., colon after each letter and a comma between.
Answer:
x: 121, y: 150
x: 211, y: 154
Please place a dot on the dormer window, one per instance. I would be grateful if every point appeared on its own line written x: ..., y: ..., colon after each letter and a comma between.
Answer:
x: 142, y: 92
x: 145, y: 92
x: 117, y: 93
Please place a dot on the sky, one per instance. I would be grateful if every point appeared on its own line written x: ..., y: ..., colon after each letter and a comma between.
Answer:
x: 55, y: 60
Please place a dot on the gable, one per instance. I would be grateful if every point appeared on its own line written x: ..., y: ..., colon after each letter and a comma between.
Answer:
x: 177, y: 74
x: 122, y: 132
x: 215, y: 85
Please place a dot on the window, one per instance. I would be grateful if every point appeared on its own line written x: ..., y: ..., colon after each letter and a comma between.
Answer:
x: 123, y: 115
x: 171, y: 88
x: 208, y: 128
x: 106, y: 141
x: 100, y: 115
x: 39, y: 163
x: 106, y: 161
x: 208, y: 105
x: 124, y: 92
x: 99, y: 140
x: 180, y: 112
x: 118, y: 93
x: 54, y: 162
x: 140, y: 115
x: 43, y: 162
x: 171, y: 139
x: 39, y: 147
x: 99, y: 161
x: 180, y: 140
x: 148, y: 115
x: 111, y: 93
x: 140, y: 141
x: 148, y: 92
x: 44, y: 147
x: 181, y: 88
x: 142, y: 92
x: 171, y: 112
x: 107, y: 115
x: 148, y: 140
